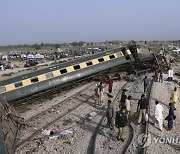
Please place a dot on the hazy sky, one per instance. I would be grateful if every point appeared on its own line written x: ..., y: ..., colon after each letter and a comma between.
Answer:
x: 58, y: 21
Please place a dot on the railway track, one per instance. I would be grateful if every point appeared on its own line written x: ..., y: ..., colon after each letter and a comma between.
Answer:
x: 146, y: 132
x: 140, y: 137
x: 133, y: 131
x: 54, y: 113
x: 93, y: 141
x: 65, y: 116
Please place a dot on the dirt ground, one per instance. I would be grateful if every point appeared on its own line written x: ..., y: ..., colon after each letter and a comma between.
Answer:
x: 159, y: 140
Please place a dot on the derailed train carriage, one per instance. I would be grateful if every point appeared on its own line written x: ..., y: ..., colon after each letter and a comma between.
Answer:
x: 40, y: 80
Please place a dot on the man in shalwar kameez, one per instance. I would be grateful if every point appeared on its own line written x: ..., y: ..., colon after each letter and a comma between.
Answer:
x: 174, y: 97
x: 159, y: 114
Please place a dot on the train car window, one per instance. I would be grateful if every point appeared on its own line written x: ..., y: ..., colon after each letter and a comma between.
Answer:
x: 34, y: 79
x: 2, y: 89
x: 63, y: 71
x: 76, y: 67
x: 49, y: 75
x: 89, y: 63
x: 18, y: 84
x: 111, y: 56
x: 101, y: 59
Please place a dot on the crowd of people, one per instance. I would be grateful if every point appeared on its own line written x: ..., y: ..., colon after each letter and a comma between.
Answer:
x: 121, y: 118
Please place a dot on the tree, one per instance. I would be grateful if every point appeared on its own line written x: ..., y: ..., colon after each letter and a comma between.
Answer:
x: 37, y: 46
x: 74, y: 43
x: 80, y: 43
x: 56, y: 46
x: 42, y: 44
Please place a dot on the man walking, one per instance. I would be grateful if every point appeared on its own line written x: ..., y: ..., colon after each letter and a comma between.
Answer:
x: 142, y: 107
x: 146, y: 84
x: 110, y: 114
x: 171, y: 117
x: 159, y: 115
x: 174, y: 97
x: 121, y: 123
x: 110, y: 82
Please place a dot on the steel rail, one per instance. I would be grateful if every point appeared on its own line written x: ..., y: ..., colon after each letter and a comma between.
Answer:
x: 37, y: 132
x: 92, y: 144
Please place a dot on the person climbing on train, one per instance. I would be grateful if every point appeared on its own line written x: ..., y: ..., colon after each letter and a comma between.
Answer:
x: 101, y: 92
x: 110, y: 114
x: 123, y: 99
x: 171, y: 117
x: 146, y: 84
x: 121, y: 123
x: 96, y: 94
x: 128, y: 106
x: 142, y: 107
x: 174, y: 97
x: 110, y: 82
x: 159, y: 115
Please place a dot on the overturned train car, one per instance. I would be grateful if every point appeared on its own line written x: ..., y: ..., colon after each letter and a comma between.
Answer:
x: 40, y: 80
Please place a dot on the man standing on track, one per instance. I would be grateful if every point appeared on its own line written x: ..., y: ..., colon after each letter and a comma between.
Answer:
x: 146, y: 84
x: 142, y: 107
x: 96, y: 95
x: 128, y: 106
x: 121, y: 123
x: 101, y: 92
x: 110, y: 115
x: 123, y: 99
x: 110, y: 81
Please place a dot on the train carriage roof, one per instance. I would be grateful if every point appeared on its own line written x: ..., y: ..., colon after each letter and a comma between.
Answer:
x: 59, y: 66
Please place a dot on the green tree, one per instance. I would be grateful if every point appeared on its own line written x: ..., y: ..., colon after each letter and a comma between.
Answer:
x: 56, y: 46
x: 80, y: 43
x: 74, y: 44
x: 37, y: 46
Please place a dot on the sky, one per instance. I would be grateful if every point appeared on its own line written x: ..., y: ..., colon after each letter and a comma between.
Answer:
x: 59, y: 21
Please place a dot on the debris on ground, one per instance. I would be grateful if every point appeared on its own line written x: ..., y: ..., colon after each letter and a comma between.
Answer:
x: 55, y: 134
x: 91, y: 116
